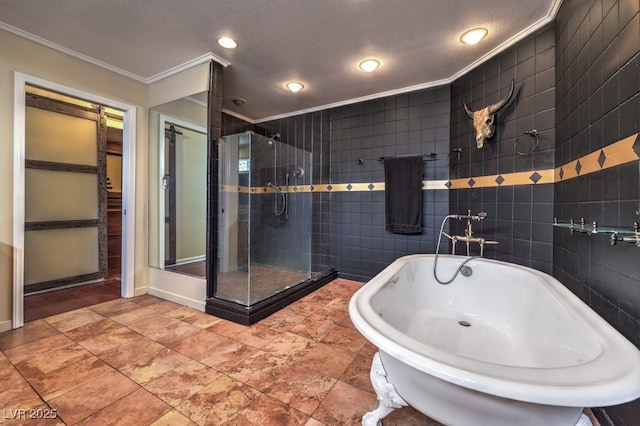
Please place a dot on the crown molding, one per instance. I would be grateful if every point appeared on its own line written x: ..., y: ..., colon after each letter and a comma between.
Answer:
x: 186, y: 65
x: 531, y: 29
x: 551, y: 14
x: 240, y: 116
x: 147, y: 80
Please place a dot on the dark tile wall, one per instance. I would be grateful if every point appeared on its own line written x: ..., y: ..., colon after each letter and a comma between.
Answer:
x: 519, y: 217
x: 348, y: 227
x: 309, y: 132
x: 598, y: 103
x: 414, y: 123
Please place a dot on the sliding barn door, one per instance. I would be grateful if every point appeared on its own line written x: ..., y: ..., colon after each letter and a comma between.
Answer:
x: 65, y: 194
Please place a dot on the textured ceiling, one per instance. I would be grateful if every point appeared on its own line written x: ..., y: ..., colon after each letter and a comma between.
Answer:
x: 317, y: 42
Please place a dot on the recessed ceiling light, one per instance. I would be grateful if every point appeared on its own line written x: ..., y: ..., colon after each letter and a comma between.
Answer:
x: 227, y: 43
x: 238, y: 101
x: 294, y: 86
x: 473, y: 36
x: 369, y: 65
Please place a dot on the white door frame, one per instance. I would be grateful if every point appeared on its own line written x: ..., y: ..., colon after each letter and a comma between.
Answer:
x: 128, y: 184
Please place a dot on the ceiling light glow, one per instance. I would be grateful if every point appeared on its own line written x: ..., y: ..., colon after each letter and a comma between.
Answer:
x: 227, y: 43
x: 369, y: 65
x: 294, y: 86
x: 473, y: 36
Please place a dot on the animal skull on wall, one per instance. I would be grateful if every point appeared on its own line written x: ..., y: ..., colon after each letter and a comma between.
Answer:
x: 484, y: 118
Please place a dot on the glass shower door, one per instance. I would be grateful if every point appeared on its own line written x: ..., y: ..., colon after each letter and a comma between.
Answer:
x: 265, y: 218
x: 232, y: 281
x: 280, y: 249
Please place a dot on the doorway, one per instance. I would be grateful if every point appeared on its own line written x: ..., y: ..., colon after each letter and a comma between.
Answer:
x: 81, y: 223
x: 183, y: 152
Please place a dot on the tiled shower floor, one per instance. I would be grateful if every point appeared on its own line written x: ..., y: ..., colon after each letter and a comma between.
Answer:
x: 148, y: 361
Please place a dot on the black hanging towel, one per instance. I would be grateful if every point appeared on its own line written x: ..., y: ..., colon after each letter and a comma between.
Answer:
x: 403, y: 194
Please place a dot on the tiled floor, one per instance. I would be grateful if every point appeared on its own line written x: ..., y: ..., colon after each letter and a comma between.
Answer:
x: 55, y: 302
x: 148, y: 361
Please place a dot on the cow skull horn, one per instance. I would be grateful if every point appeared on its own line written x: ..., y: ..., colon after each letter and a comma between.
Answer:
x: 483, y: 119
x: 503, y: 102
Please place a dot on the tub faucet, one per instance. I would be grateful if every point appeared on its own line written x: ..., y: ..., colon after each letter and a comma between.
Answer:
x: 468, y: 232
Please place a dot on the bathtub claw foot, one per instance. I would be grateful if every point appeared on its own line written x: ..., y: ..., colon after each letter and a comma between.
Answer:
x: 388, y: 398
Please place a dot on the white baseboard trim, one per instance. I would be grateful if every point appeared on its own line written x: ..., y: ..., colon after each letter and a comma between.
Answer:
x: 176, y: 298
x: 179, y: 288
x: 140, y: 291
x: 193, y: 259
x: 5, y: 326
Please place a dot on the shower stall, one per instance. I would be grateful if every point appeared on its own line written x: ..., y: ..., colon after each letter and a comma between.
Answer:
x: 264, y: 227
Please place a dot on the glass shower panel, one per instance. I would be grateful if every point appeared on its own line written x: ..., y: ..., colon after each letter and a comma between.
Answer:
x: 233, y: 233
x: 280, y: 249
x: 265, y: 218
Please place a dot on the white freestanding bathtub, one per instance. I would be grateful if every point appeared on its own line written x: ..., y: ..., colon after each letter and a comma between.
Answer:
x: 507, y: 345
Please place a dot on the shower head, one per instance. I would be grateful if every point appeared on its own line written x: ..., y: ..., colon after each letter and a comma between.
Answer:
x: 275, y: 136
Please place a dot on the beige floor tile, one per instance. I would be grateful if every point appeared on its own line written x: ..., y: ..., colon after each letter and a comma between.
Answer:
x: 152, y: 324
x: 199, y: 344
x: 88, y: 331
x: 153, y: 366
x: 202, y: 320
x: 30, y: 332
x: 19, y: 396
x: 180, y: 384
x: 227, y: 328
x: 20, y: 353
x: 357, y: 374
x: 135, y: 315
x: 345, y: 405
x: 328, y: 360
x: 182, y: 313
x: 268, y: 411
x: 219, y: 402
x: 173, y: 333
x: 290, y: 345
x: 74, y: 319
x: 114, y: 307
x: 145, y: 300
x: 227, y: 355
x: 258, y: 335
x: 136, y: 348
x: 261, y: 370
x: 408, y: 416
x: 282, y: 321
x: 163, y: 306
x: 173, y: 418
x: 109, y: 340
x: 314, y: 327
x: 347, y: 338
x: 9, y: 376
x: 92, y: 396
x: 137, y: 408
x: 70, y: 377
x: 37, y: 366
x: 301, y: 388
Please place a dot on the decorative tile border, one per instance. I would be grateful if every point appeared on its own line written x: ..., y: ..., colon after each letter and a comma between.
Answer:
x: 621, y: 152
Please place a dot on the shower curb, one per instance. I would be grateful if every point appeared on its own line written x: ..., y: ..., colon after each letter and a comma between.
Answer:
x: 247, y: 315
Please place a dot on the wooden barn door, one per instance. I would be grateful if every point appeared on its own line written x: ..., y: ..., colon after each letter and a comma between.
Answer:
x: 65, y: 194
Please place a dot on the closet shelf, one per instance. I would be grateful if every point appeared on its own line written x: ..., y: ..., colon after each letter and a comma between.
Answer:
x: 616, y: 235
